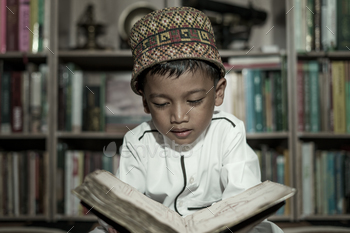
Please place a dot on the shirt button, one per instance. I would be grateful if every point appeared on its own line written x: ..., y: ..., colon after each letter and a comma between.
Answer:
x: 191, y: 180
x: 180, y: 203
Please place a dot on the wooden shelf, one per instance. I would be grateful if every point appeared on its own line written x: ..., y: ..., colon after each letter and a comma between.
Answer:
x: 279, y: 218
x: 327, y: 135
x: 23, y: 136
x: 234, y: 53
x: 329, y: 54
x: 24, y: 218
x: 87, y: 218
x: 327, y: 217
x: 91, y: 135
x: 273, y: 135
x: 22, y: 54
x: 93, y: 53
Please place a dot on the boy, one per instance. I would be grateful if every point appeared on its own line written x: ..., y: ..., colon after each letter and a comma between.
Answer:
x: 188, y: 156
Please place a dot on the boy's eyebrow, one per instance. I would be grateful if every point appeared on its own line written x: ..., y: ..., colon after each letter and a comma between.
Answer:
x: 154, y: 95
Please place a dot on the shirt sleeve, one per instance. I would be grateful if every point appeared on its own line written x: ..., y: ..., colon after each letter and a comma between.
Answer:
x: 240, y: 165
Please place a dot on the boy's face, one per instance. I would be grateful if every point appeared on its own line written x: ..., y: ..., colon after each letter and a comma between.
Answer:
x: 182, y: 108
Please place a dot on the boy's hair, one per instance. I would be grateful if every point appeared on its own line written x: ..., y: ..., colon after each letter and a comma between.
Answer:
x: 176, y: 68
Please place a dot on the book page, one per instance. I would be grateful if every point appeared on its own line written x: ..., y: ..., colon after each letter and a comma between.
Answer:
x: 136, y: 200
x: 233, y: 210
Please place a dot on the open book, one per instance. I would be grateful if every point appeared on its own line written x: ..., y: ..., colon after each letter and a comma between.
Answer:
x: 128, y: 210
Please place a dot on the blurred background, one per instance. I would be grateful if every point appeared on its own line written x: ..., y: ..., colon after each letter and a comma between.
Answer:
x: 66, y: 102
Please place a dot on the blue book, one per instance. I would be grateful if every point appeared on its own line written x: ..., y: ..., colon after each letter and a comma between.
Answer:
x: 280, y: 177
x: 339, y: 181
x: 331, y: 183
x: 258, y: 101
x: 248, y: 75
x: 314, y: 97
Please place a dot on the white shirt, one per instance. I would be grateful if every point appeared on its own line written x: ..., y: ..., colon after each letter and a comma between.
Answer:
x: 217, y: 165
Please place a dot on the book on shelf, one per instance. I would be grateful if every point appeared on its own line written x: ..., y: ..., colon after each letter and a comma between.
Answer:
x: 274, y: 165
x: 72, y: 167
x: 101, y: 101
x: 24, y: 105
x: 23, y: 183
x: 259, y: 98
x: 322, y: 101
x: 325, y: 187
x: 24, y: 25
x: 128, y: 210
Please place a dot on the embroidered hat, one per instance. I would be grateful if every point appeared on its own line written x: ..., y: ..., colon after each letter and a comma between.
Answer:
x: 170, y: 34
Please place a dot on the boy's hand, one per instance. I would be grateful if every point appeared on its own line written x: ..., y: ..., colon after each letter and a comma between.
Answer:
x: 112, y: 230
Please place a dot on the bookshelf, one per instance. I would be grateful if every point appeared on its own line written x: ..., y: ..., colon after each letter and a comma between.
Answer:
x: 122, y: 60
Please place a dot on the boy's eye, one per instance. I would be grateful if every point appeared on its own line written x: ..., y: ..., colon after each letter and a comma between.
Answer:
x: 195, y: 102
x: 160, y: 105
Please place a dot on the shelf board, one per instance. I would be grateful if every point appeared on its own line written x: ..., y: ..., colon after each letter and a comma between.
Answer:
x: 91, y: 135
x: 24, y: 218
x: 94, y: 53
x: 327, y: 217
x: 23, y: 136
x: 87, y: 218
x: 332, y: 54
x: 329, y: 135
x: 273, y: 135
x: 234, y: 53
x: 22, y: 54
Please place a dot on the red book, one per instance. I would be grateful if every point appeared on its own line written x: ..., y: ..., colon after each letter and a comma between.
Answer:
x: 12, y: 26
x: 3, y: 16
x: 23, y: 23
x: 16, y: 102
x: 300, y: 97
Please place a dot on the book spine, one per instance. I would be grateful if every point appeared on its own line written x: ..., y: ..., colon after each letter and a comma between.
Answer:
x: 307, y: 181
x: 331, y: 183
x: 25, y: 100
x: 298, y: 25
x: 310, y: 25
x: 249, y: 93
x: 258, y: 108
x: 342, y: 22
x: 324, y: 185
x: 3, y: 23
x: 75, y: 182
x: 306, y: 97
x: 103, y: 100
x: 317, y: 21
x: 318, y: 189
x: 35, y: 102
x: 10, y: 184
x: 332, y: 22
x: 41, y: 12
x: 60, y: 179
x: 300, y: 97
x: 12, y: 26
x: 280, y: 160
x: 24, y: 21
x: 47, y: 20
x: 284, y: 79
x: 5, y: 102
x: 2, y: 190
x: 15, y: 184
x: 62, y: 97
x: 68, y: 182
x: 77, y: 100
x: 80, y: 180
x: 287, y: 178
x: 44, y: 103
x: 34, y: 26
x: 314, y: 97
x: 278, y: 99
x: 339, y: 182
x: 338, y: 78
x: 4, y: 185
x: 268, y: 103
x: 347, y: 97
x: 24, y: 184
x: 16, y: 103
x: 69, y: 100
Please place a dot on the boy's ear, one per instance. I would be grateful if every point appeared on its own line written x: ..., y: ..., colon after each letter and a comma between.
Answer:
x: 220, y: 91
x: 144, y: 102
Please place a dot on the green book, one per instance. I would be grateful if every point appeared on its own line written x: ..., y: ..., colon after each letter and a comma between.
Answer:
x: 258, y: 103
x: 343, y: 22
x: 284, y: 94
x: 347, y: 97
x: 278, y: 100
x: 314, y: 97
x: 306, y: 97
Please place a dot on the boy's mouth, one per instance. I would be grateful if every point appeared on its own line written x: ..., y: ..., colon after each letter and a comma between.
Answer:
x: 181, y: 133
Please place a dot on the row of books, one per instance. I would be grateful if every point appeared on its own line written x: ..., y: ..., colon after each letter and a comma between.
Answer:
x: 323, y: 97
x: 97, y: 101
x: 24, y: 105
x: 321, y: 25
x: 24, y: 25
x: 259, y: 98
x: 72, y: 167
x: 274, y: 164
x: 23, y: 183
x: 325, y: 181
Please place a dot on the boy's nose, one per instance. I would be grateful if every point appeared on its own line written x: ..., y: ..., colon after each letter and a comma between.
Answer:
x: 180, y: 114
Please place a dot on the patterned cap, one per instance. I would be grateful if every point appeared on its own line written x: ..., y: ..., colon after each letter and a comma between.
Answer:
x: 171, y: 34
